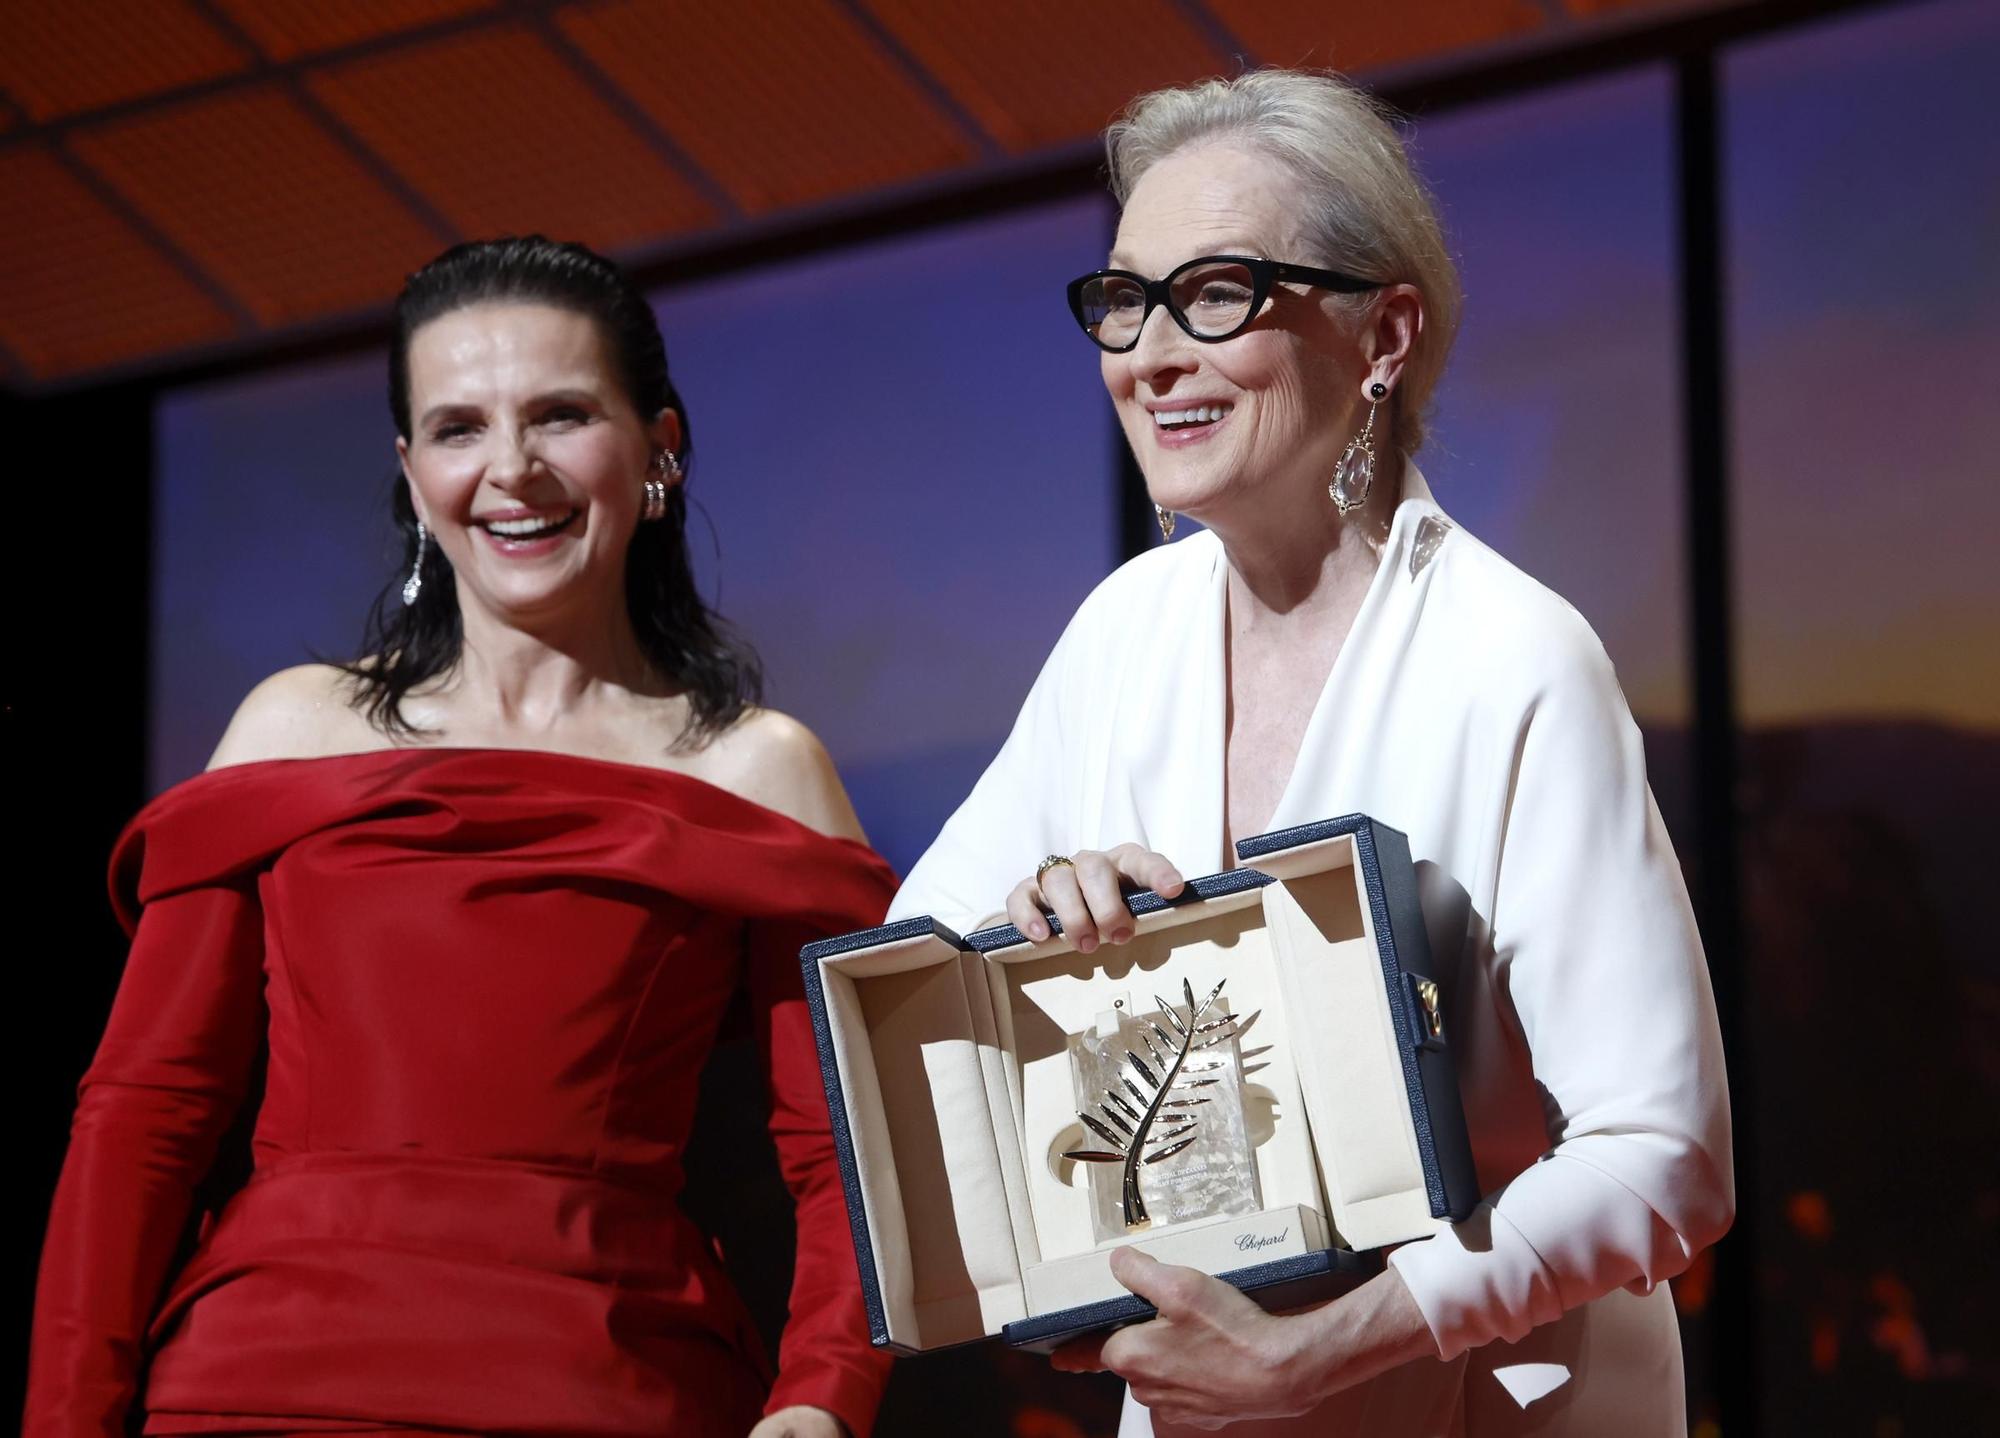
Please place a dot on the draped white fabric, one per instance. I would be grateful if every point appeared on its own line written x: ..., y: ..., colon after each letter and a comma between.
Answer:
x: 1475, y: 711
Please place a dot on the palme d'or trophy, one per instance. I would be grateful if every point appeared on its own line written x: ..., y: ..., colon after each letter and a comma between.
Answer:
x: 1164, y: 1093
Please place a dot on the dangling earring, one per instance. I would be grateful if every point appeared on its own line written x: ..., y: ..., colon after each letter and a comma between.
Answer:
x: 1354, y: 476
x: 1166, y: 518
x: 657, y: 486
x: 414, y: 585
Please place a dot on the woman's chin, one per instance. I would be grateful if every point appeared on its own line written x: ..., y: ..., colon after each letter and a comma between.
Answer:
x: 1193, y: 489
x: 1188, y: 501
x: 520, y: 599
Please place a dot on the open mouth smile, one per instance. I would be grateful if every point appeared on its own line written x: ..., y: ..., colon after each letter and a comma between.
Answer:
x: 526, y: 528
x: 1194, y: 417
x: 1187, y: 424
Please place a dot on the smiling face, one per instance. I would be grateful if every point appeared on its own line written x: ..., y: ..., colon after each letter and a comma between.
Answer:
x: 1263, y: 414
x: 526, y: 460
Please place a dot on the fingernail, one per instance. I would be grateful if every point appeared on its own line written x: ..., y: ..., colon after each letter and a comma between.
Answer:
x: 1085, y: 944
x: 1038, y: 932
x: 1119, y: 936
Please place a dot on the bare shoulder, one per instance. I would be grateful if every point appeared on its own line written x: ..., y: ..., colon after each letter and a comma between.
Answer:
x: 772, y: 759
x: 299, y: 713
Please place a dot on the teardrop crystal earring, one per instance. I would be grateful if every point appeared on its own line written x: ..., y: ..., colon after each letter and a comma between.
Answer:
x: 1354, y: 476
x: 414, y: 585
x: 1166, y: 518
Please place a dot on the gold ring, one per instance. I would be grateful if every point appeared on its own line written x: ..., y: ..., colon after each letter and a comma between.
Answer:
x: 1053, y: 861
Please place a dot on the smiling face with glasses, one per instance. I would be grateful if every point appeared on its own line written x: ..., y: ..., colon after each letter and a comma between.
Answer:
x: 1238, y: 377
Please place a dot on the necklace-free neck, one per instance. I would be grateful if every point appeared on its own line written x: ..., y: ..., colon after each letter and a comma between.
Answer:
x: 1302, y: 560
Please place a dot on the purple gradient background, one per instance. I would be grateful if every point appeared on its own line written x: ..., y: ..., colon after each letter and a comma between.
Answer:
x: 270, y: 536
x: 1864, y: 244
x: 1557, y: 437
x: 906, y: 453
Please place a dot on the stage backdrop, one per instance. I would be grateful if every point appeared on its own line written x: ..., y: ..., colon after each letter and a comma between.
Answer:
x: 910, y: 469
x: 911, y: 472
x: 1863, y: 208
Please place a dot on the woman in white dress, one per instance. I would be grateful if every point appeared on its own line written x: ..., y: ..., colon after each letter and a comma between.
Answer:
x: 1278, y: 311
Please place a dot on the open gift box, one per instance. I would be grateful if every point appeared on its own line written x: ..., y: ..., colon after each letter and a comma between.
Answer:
x: 957, y: 1095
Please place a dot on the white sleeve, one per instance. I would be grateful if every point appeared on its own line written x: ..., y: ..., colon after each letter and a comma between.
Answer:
x: 1013, y: 817
x: 1595, y: 946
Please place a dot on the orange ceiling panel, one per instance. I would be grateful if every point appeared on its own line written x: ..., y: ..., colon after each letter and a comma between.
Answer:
x: 1353, y: 36
x: 79, y: 289
x: 505, y: 137
x: 178, y: 172
x: 779, y: 113
x: 287, y: 29
x: 60, y: 59
x: 1044, y: 72
x: 253, y: 189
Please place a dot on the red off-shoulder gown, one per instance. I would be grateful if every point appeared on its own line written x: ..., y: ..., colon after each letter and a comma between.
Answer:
x: 486, y: 982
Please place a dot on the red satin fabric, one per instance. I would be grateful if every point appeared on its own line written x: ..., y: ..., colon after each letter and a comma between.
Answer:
x: 486, y: 982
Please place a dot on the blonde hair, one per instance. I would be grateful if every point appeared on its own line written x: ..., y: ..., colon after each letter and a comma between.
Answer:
x: 1363, y: 209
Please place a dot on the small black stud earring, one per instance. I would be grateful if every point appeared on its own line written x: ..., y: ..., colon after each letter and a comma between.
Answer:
x: 1378, y: 390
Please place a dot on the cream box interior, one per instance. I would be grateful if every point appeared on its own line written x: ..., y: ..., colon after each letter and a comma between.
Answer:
x: 948, y: 1075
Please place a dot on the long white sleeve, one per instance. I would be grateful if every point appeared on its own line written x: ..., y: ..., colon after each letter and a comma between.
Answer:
x: 1594, y: 945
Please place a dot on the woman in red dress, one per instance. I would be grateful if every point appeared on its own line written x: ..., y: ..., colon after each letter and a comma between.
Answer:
x: 475, y: 907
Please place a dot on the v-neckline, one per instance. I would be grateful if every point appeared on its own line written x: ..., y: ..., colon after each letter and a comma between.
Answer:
x: 1416, y: 497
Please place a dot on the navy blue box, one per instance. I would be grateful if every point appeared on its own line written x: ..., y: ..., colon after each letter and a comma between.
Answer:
x: 940, y: 1058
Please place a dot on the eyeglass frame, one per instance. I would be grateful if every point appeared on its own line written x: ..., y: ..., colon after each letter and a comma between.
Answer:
x: 1263, y: 274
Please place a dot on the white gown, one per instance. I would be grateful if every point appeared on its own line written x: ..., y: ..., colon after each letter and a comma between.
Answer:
x: 1475, y: 711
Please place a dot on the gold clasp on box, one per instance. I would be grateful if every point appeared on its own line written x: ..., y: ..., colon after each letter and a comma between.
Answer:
x: 1427, y: 991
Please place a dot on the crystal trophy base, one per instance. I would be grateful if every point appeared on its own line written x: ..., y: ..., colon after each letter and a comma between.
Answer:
x: 1163, y: 1138
x: 1163, y: 1152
